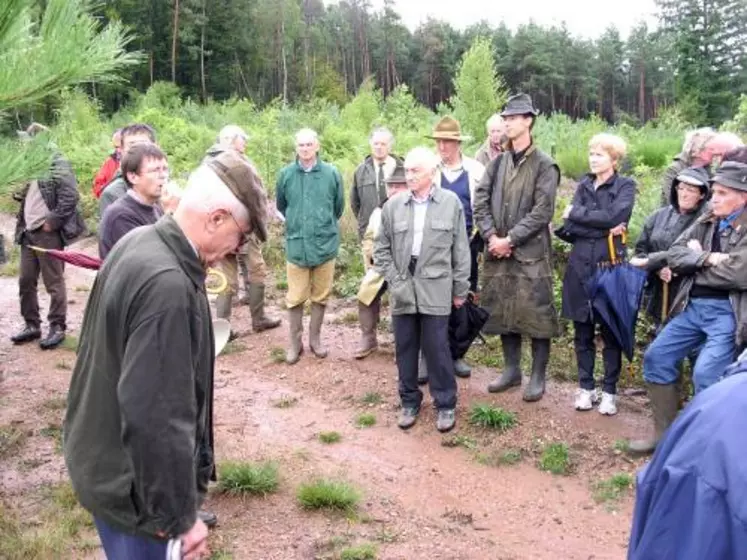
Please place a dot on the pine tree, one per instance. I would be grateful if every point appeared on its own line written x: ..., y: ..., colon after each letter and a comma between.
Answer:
x: 479, y: 90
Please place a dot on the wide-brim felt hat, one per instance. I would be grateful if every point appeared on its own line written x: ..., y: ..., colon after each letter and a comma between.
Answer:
x: 397, y: 176
x: 448, y: 128
x: 731, y: 174
x: 519, y: 104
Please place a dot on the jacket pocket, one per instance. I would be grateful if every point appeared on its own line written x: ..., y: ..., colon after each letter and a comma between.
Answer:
x: 402, y: 292
x: 442, y: 233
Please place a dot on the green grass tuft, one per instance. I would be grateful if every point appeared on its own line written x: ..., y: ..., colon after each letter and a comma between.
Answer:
x: 493, y: 417
x: 555, y: 459
x: 70, y: 343
x: 365, y: 420
x: 613, y: 488
x: 285, y: 401
x: 328, y: 494
x: 11, y: 440
x: 277, y: 355
x: 330, y: 437
x: 458, y: 440
x: 364, y: 551
x: 239, y: 478
x: 372, y: 398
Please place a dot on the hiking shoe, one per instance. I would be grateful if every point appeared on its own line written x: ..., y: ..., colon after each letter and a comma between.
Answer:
x: 608, y: 406
x: 407, y: 417
x: 586, y: 399
x: 446, y: 420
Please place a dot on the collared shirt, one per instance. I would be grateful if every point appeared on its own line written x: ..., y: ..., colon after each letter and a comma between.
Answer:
x: 309, y: 168
x: 726, y: 222
x: 389, y: 164
x: 420, y: 207
x: 35, y: 209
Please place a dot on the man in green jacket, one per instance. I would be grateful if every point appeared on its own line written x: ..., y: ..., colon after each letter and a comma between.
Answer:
x: 514, y: 205
x: 309, y: 194
x: 423, y: 252
x: 138, y: 432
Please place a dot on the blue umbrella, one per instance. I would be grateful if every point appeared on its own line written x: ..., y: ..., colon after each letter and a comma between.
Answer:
x: 615, y: 292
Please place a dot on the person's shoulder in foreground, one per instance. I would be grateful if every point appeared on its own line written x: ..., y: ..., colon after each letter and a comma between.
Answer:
x: 690, y: 499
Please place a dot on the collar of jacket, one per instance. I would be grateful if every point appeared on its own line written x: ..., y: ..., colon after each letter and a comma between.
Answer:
x: 175, y: 239
x: 434, y: 194
x: 589, y: 178
x: 738, y: 223
x: 529, y: 151
x: 317, y: 166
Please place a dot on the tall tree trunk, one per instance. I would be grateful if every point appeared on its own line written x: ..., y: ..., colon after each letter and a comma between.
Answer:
x: 285, y: 62
x: 642, y: 94
x: 202, y: 53
x: 151, y: 64
x: 174, y: 40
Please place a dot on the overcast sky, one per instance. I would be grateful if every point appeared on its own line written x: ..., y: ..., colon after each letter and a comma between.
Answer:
x: 588, y: 18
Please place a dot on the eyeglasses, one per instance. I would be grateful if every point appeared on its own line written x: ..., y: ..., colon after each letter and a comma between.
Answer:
x: 689, y: 189
x: 244, y: 234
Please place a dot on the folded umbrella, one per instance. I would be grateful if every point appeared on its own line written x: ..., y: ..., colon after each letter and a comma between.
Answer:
x: 615, y: 292
x: 75, y: 258
x: 465, y: 324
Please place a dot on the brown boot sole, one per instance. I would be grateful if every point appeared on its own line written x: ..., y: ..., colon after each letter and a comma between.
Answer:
x: 265, y: 326
x: 364, y: 353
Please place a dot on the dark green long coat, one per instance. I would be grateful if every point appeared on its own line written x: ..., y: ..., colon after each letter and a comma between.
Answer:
x: 518, y: 200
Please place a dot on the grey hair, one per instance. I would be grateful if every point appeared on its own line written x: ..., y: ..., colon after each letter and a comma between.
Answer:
x: 307, y: 133
x: 493, y: 120
x: 422, y: 156
x: 229, y: 133
x: 696, y: 141
x: 206, y: 192
x: 730, y: 138
x: 382, y: 130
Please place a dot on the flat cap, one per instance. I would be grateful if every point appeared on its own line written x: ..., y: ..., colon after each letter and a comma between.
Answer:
x: 242, y: 180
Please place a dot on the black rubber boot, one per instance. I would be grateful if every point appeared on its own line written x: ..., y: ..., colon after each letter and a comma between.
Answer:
x: 511, y: 375
x: 665, y: 403
x: 540, y: 357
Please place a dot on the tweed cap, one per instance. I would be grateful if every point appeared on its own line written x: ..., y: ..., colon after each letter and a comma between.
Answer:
x: 731, y: 174
x: 242, y: 180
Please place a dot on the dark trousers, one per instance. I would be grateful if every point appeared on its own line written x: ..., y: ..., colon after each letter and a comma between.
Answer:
x: 431, y: 332
x: 586, y: 352
x: 476, y: 246
x: 123, y: 546
x: 53, y: 274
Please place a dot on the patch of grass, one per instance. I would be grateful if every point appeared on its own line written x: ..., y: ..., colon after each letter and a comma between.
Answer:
x: 53, y: 431
x: 511, y: 457
x: 622, y: 445
x: 365, y: 420
x: 277, y: 355
x: 63, y: 365
x: 285, y: 401
x: 387, y: 536
x: 372, y: 398
x: 70, y: 343
x: 330, y: 437
x: 82, y: 288
x: 493, y: 417
x: 328, y: 494
x: 349, y: 318
x: 366, y: 551
x: 239, y: 478
x: 12, y: 265
x: 555, y: 459
x: 281, y: 284
x: 55, y: 403
x: 613, y: 488
x: 11, y: 440
x: 233, y: 347
x: 458, y: 440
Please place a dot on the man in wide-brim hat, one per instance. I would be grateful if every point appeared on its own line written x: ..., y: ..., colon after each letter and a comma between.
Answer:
x: 709, y: 308
x: 372, y: 286
x: 459, y: 174
x: 514, y: 205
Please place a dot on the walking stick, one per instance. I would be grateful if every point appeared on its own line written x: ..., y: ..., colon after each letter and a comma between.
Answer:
x: 665, y: 301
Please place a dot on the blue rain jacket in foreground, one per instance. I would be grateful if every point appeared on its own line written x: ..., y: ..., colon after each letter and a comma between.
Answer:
x: 691, y: 499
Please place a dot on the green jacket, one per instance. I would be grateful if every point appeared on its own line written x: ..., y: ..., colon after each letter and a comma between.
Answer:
x: 312, y: 202
x: 442, y: 272
x: 138, y: 428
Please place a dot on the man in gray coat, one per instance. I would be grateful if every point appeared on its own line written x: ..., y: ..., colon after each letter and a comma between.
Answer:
x: 423, y: 252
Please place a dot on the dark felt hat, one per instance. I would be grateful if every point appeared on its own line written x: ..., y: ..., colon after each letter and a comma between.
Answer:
x: 731, y: 174
x: 397, y: 176
x: 241, y: 179
x: 519, y: 104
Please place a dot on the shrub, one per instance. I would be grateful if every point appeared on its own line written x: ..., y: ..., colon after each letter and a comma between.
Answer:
x: 238, y: 478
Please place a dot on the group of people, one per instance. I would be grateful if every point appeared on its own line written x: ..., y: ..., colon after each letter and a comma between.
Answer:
x: 146, y: 352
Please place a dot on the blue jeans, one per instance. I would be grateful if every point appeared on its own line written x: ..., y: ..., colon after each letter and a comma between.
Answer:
x: 705, y: 321
x: 123, y: 546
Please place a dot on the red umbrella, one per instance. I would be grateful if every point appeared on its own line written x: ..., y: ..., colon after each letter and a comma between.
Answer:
x: 75, y: 258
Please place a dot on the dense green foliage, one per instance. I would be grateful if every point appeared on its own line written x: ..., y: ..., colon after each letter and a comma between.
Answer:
x: 302, y: 49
